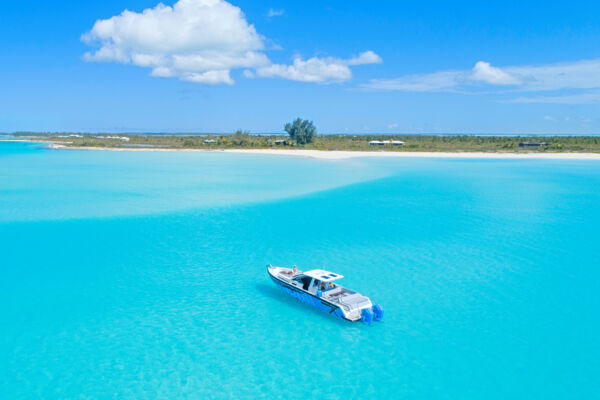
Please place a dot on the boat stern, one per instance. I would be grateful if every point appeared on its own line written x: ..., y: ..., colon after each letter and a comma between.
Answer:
x: 353, y: 307
x: 359, y: 308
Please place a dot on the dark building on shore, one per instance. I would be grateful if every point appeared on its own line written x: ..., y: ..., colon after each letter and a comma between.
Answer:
x: 532, y: 144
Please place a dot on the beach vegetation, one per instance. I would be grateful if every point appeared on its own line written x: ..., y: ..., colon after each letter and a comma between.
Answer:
x: 412, y: 143
x: 241, y: 138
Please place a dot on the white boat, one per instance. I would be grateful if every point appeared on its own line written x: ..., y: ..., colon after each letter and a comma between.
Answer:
x: 316, y: 288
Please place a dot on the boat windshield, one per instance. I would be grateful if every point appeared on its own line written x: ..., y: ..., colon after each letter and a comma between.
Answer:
x: 304, y: 281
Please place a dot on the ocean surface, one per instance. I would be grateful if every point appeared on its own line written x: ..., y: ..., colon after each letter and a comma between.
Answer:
x: 142, y: 275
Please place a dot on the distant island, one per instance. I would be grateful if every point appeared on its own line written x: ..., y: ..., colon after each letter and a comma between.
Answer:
x: 329, y: 142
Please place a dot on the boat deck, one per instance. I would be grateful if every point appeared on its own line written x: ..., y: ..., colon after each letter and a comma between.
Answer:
x: 338, y: 295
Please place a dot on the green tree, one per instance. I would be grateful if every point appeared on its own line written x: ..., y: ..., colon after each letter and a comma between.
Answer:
x: 301, y: 131
x: 240, y: 138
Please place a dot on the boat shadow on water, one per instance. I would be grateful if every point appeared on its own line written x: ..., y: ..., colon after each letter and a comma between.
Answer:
x: 276, y: 294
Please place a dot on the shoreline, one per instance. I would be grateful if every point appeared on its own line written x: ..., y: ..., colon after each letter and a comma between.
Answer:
x: 336, y: 154
x: 341, y: 154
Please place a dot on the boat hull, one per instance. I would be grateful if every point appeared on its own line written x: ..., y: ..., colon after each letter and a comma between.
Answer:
x: 309, y: 299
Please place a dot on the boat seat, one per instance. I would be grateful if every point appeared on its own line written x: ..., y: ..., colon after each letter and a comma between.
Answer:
x: 331, y: 293
x: 355, y: 300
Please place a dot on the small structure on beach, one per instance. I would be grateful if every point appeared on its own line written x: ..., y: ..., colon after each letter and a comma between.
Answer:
x: 122, y: 138
x: 386, y: 142
x: 281, y: 142
x: 210, y: 141
x: 70, y: 136
x: 532, y: 144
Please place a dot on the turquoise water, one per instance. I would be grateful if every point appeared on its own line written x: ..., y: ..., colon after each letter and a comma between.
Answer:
x: 142, y: 275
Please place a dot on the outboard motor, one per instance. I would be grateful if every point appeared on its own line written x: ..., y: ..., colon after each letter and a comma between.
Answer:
x: 366, y: 316
x: 377, y: 312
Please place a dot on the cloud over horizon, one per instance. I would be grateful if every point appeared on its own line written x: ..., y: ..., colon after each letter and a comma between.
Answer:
x: 202, y: 41
x: 583, y: 75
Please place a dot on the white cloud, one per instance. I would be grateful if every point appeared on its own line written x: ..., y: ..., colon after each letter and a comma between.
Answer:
x: 201, y: 41
x: 580, y: 98
x: 195, y: 40
x: 583, y: 74
x: 549, y: 118
x: 435, y: 82
x: 209, y: 77
x: 318, y: 70
x: 367, y: 57
x: 483, y: 71
x: 275, y: 13
x: 580, y: 75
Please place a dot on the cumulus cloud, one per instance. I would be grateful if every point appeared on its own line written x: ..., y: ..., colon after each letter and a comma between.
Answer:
x: 195, y: 40
x: 202, y: 41
x: 318, y: 70
x: 580, y: 75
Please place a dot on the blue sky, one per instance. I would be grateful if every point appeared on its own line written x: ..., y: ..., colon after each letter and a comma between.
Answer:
x: 360, y: 67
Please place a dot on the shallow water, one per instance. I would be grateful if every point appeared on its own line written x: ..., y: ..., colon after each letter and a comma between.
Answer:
x: 142, y: 275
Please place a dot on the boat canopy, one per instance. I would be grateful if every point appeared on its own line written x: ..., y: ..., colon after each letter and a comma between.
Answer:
x: 323, y: 276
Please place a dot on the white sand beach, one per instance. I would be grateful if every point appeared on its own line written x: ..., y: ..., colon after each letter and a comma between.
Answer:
x: 339, y: 155
x: 351, y: 154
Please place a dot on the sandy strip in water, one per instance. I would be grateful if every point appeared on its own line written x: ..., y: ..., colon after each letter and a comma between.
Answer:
x: 340, y: 155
